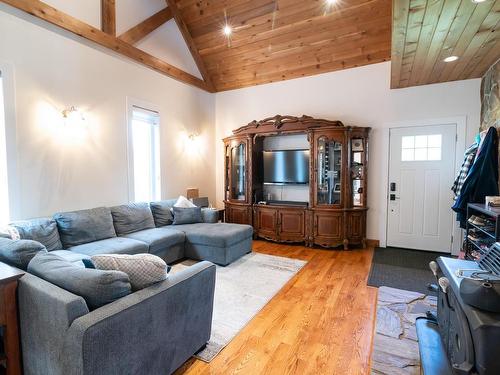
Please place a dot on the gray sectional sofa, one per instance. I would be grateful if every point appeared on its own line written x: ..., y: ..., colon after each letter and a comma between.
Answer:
x: 150, y: 331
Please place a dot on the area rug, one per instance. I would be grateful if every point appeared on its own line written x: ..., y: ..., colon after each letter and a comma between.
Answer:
x: 402, y: 269
x: 242, y: 289
x: 395, y: 345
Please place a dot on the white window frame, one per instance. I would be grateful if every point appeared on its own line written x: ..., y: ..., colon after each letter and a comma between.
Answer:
x: 9, y: 102
x: 131, y: 104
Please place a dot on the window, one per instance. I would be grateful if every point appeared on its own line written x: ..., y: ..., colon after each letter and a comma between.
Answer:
x: 144, y: 141
x: 4, y: 188
x: 421, y: 147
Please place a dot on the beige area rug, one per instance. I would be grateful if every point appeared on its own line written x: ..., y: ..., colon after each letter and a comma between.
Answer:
x: 242, y: 289
x: 395, y: 346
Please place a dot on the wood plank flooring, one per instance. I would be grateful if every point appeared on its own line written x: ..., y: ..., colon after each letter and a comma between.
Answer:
x: 321, y: 322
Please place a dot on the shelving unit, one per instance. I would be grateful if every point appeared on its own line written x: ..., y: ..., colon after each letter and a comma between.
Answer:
x: 335, y: 213
x: 480, y: 237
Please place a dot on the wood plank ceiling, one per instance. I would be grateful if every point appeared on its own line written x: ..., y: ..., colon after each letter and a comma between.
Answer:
x: 425, y: 32
x: 275, y: 40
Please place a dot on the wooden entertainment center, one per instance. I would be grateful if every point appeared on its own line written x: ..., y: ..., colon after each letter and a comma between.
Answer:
x: 334, y: 213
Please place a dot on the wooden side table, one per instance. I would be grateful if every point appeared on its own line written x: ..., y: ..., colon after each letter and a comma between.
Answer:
x: 221, y: 213
x: 9, y: 277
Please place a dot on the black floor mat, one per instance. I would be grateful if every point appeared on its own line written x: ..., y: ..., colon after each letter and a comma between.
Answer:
x: 402, y: 269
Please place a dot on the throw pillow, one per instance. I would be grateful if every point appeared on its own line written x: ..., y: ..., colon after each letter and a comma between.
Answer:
x: 210, y: 215
x: 88, y: 263
x: 162, y: 212
x: 187, y: 215
x: 18, y: 253
x: 184, y: 202
x: 9, y: 232
x: 133, y: 217
x: 97, y: 287
x: 42, y: 230
x: 142, y: 269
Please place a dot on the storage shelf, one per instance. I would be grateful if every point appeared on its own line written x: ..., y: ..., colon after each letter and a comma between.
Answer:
x: 492, y: 214
x: 489, y: 234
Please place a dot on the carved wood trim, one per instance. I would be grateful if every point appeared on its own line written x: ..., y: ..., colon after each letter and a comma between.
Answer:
x: 281, y: 123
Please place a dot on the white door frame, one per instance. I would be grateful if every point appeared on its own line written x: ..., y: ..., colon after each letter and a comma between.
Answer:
x: 461, y: 123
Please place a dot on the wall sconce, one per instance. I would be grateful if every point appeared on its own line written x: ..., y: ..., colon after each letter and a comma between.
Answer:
x: 73, y: 116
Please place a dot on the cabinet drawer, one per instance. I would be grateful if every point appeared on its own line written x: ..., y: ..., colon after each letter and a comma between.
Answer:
x: 238, y: 214
x: 292, y: 225
x: 266, y: 222
x: 328, y: 228
x: 356, y: 226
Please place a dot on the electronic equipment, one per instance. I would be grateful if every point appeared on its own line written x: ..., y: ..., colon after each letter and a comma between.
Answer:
x: 286, y: 167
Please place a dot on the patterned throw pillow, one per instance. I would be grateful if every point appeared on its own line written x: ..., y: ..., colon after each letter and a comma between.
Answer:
x: 142, y: 269
x: 10, y: 232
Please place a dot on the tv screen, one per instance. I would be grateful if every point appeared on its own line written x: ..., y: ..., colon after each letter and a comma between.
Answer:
x: 286, y: 167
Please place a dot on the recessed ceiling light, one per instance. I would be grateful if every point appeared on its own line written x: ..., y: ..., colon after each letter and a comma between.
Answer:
x: 478, y: 1
x: 331, y: 2
x: 451, y: 58
x: 227, y: 30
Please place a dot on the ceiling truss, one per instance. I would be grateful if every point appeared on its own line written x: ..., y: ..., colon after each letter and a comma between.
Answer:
x: 107, y: 36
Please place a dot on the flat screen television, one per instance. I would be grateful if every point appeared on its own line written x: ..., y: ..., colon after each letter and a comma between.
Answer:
x: 286, y: 167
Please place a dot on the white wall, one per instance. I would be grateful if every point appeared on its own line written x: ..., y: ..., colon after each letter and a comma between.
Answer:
x: 359, y: 96
x: 61, y: 170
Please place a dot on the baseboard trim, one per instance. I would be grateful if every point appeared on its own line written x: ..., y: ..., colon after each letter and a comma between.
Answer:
x: 372, y: 243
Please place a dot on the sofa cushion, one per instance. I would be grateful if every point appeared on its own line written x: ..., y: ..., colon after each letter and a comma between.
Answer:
x: 80, y: 227
x: 71, y: 256
x: 217, y: 234
x: 162, y: 212
x: 133, y: 217
x: 42, y: 230
x: 97, y: 287
x: 189, y: 215
x: 117, y: 245
x: 142, y: 269
x: 158, y: 239
x: 18, y: 253
x: 210, y: 215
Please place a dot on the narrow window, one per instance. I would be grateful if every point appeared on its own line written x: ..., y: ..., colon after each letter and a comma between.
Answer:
x: 4, y: 187
x: 145, y: 154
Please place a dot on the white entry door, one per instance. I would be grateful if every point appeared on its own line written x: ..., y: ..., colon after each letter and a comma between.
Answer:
x: 421, y: 173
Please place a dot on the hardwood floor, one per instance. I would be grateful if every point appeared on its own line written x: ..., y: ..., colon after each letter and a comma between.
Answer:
x: 321, y: 322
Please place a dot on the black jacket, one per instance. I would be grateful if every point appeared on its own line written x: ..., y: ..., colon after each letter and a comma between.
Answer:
x: 482, y: 179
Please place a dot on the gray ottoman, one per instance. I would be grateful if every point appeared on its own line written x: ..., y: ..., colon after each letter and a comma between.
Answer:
x: 220, y: 243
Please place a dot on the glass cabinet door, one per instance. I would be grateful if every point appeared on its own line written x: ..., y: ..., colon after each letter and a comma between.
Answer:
x: 238, y: 172
x: 329, y: 171
x: 358, y: 171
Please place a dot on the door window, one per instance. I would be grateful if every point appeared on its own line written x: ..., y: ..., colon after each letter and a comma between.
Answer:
x: 421, y: 147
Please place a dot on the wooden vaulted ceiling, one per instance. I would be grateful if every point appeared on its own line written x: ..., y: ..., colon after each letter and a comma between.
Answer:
x: 425, y: 32
x: 275, y: 40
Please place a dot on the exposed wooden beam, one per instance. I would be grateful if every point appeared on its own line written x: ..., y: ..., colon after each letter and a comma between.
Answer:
x: 190, y: 43
x: 47, y: 13
x: 108, y: 17
x: 150, y: 24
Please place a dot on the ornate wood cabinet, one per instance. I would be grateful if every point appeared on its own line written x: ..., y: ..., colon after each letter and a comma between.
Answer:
x: 338, y: 169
